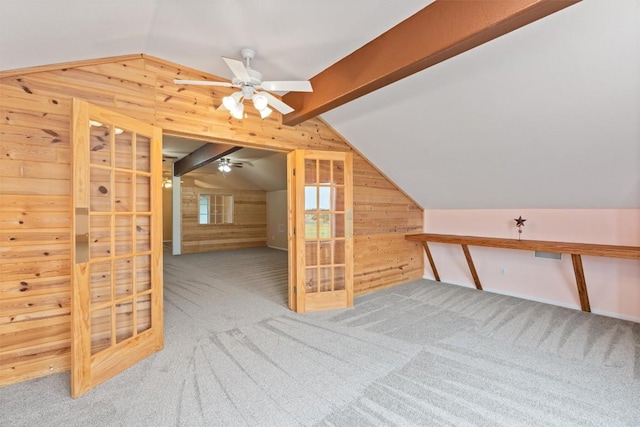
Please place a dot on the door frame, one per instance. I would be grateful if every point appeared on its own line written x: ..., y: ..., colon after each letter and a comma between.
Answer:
x: 291, y: 200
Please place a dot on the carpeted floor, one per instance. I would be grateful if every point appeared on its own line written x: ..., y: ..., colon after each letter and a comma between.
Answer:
x: 423, y: 353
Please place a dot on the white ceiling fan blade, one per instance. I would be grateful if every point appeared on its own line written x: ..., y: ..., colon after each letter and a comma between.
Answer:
x: 287, y: 86
x: 277, y: 104
x: 202, y: 83
x: 238, y: 69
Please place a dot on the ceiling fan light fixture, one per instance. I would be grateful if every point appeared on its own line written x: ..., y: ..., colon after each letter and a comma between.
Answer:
x: 265, y: 112
x: 230, y: 102
x: 260, y: 101
x: 248, y: 81
x: 236, y: 112
x: 224, y: 166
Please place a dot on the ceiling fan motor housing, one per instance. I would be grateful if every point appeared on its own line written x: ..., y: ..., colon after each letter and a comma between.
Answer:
x: 247, y: 54
x: 249, y: 87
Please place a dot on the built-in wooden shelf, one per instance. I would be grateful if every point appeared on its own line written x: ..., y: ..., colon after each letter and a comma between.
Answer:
x: 575, y: 249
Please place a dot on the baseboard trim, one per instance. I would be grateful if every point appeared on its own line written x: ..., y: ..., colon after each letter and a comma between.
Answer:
x: 564, y: 304
x: 620, y: 316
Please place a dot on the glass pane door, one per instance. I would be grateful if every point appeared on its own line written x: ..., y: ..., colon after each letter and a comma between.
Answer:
x: 119, y: 234
x: 324, y: 210
x: 117, y: 294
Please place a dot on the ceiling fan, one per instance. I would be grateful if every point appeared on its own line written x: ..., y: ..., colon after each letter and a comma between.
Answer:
x: 252, y: 87
x: 225, y: 165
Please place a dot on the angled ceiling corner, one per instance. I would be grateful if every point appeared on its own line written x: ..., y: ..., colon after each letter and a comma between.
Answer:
x: 446, y: 29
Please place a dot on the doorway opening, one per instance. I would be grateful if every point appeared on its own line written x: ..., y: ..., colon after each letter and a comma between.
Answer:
x: 226, y: 209
x: 253, y: 182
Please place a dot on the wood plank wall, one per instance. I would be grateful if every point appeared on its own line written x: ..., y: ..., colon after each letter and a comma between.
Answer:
x: 35, y: 190
x: 249, y: 228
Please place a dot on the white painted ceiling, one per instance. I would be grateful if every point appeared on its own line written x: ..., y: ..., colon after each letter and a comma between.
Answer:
x: 547, y: 116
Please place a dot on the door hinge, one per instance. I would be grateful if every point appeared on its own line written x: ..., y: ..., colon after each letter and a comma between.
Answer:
x: 294, y: 231
x: 294, y: 171
x: 295, y: 289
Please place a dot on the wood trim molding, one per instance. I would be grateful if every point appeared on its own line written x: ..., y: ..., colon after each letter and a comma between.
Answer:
x: 440, y: 31
x: 71, y: 64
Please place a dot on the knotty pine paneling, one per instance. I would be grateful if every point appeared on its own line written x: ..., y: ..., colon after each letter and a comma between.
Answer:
x: 384, y: 260
x: 35, y: 229
x: 35, y: 188
x: 248, y: 230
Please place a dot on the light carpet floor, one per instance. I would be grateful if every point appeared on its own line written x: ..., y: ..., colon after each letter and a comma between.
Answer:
x: 423, y: 353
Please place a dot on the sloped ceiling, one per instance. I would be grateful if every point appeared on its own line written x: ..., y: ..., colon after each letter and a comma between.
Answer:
x: 260, y: 169
x: 547, y: 116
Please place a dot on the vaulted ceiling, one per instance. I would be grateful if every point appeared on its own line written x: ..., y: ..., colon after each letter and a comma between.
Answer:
x: 547, y: 116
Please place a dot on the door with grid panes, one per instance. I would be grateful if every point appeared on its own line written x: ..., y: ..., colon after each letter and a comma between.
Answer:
x: 320, y: 230
x: 116, y: 306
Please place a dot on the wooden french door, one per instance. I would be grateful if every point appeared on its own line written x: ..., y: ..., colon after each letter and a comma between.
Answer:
x: 320, y: 230
x: 116, y: 305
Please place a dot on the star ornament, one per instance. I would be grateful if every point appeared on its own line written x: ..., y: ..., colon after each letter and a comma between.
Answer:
x: 519, y: 221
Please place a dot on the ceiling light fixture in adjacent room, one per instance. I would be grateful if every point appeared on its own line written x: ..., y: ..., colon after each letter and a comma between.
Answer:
x: 224, y: 166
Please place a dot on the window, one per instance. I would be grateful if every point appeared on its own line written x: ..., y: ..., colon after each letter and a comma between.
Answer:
x: 215, y: 209
x: 204, y: 209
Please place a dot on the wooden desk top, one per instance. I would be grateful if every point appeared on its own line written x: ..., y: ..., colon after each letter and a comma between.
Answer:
x: 612, y: 251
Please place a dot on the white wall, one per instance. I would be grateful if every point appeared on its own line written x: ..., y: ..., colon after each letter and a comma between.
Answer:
x: 613, y: 284
x: 277, y: 219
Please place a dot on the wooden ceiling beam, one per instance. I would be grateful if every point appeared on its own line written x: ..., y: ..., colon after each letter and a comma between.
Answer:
x: 202, y: 156
x: 440, y: 31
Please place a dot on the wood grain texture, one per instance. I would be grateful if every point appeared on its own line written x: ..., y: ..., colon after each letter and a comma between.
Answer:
x: 317, y: 275
x: 115, y: 321
x: 432, y: 263
x: 612, y: 251
x: 581, y: 283
x: 292, y: 225
x: 383, y: 260
x: 249, y: 228
x: 35, y: 183
x: 472, y: 267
